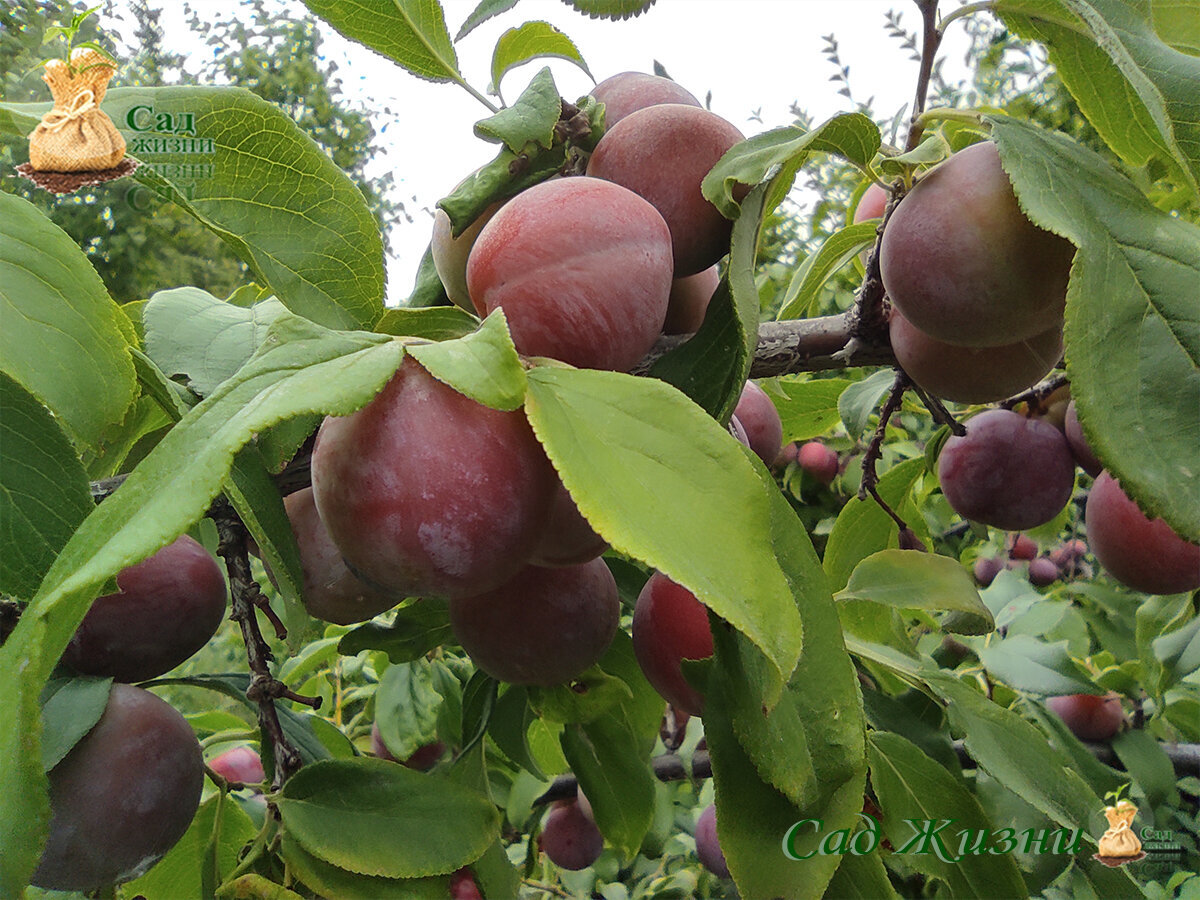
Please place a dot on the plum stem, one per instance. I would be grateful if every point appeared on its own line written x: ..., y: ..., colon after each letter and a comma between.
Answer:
x: 870, y: 477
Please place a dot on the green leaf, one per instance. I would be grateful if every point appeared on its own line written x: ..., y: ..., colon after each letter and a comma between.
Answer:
x: 69, y: 714
x: 1017, y: 755
x: 1144, y: 758
x: 819, y: 266
x: 861, y: 399
x: 1028, y: 664
x: 484, y: 366
x: 850, y: 135
x: 1176, y: 22
x: 415, y: 630
x: 862, y: 527
x: 509, y: 728
x: 589, y: 695
x: 861, y: 878
x: 374, y: 817
x: 25, y: 812
x: 62, y: 339
x: 487, y: 9
x: 503, y: 177
x: 606, y: 756
x: 406, y: 708
x: 1179, y: 652
x: 644, y: 710
x: 533, y: 40
x: 713, y: 365
x: 179, y: 873
x: 910, y: 579
x: 610, y: 9
x: 253, y: 887
x: 664, y: 483
x: 932, y: 150
x: 1137, y: 90
x: 910, y: 785
x: 809, y: 406
x: 332, y: 881
x: 44, y: 492
x: 428, y: 290
x: 411, y: 33
x: 435, y: 323
x: 530, y: 120
x: 190, y: 332
x: 1131, y: 330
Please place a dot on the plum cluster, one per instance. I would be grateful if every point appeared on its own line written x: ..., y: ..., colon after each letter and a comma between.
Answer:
x: 977, y: 290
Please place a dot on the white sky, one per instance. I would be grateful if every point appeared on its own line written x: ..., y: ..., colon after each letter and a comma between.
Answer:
x: 754, y: 55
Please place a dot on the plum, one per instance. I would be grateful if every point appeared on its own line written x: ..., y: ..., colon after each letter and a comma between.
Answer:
x: 986, y: 569
x: 1078, y: 442
x: 450, y: 254
x: 689, y: 300
x: 760, y: 420
x: 568, y: 539
x: 1089, y: 717
x: 570, y: 837
x: 1042, y: 572
x: 708, y: 848
x: 818, y: 461
x: 628, y: 92
x: 167, y: 607
x: 669, y: 626
x: 241, y: 764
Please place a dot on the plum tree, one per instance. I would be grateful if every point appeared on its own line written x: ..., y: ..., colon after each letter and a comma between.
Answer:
x: 708, y: 848
x: 689, y: 301
x: 570, y: 837
x: 627, y: 92
x: 544, y: 626
x: 1090, y: 717
x: 123, y: 796
x: 241, y: 764
x: 760, y: 420
x: 972, y: 374
x: 1141, y: 553
x: 662, y: 153
x: 331, y: 592
x: 450, y: 254
x: 582, y: 269
x: 167, y: 607
x: 819, y: 461
x: 669, y: 626
x: 1007, y: 471
x: 963, y: 264
x: 567, y: 538
x: 1078, y: 443
x: 411, y: 511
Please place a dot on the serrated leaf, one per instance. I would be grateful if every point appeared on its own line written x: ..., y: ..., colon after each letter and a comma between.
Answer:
x: 1033, y: 666
x: 910, y: 785
x: 533, y: 40
x: 69, y: 714
x: 820, y: 265
x: 487, y: 9
x: 713, y: 365
x: 809, y: 407
x: 932, y: 150
x: 1137, y: 90
x: 850, y: 135
x: 530, y: 120
x: 374, y: 817
x: 662, y: 482
x: 862, y: 527
x: 589, y: 695
x: 1177, y: 23
x: 910, y: 579
x: 411, y: 33
x: 406, y: 708
x: 62, y: 339
x: 610, y: 9
x: 607, y: 758
x: 861, y: 878
x: 415, y: 630
x: 331, y: 881
x: 192, y: 333
x: 437, y: 323
x: 44, y: 492
x: 861, y: 399
x: 1131, y: 326
x: 503, y: 177
x: 483, y: 365
x: 509, y: 728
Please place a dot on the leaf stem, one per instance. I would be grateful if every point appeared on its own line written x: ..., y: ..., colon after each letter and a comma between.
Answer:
x: 967, y: 9
x: 478, y: 96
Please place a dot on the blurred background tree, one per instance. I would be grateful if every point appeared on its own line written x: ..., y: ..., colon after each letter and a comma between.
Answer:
x: 138, y: 251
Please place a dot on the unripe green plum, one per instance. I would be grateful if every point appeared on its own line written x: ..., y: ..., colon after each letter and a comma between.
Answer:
x: 627, y: 92
x: 426, y: 491
x: 1078, y: 442
x: 581, y: 268
x: 708, y: 848
x: 662, y: 153
x: 544, y: 626
x: 760, y: 420
x: 972, y: 374
x: 964, y: 265
x: 568, y: 539
x: 331, y: 592
x: 123, y: 796
x: 1089, y: 717
x: 570, y: 837
x: 689, y: 301
x: 1007, y: 471
x: 167, y: 608
x: 450, y: 254
x: 1141, y: 553
x: 669, y: 626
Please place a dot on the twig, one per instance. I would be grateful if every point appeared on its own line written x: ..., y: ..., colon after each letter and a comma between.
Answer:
x: 870, y: 477
x: 938, y: 410
x: 931, y: 40
x: 264, y: 688
x: 1037, y: 394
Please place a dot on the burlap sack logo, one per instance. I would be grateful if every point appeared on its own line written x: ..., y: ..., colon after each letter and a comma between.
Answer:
x: 76, y: 143
x: 1119, y: 845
